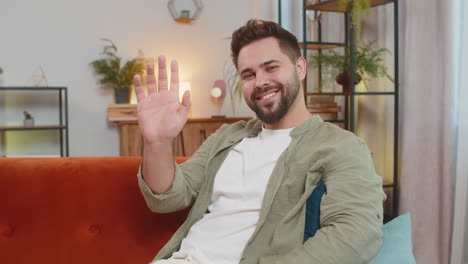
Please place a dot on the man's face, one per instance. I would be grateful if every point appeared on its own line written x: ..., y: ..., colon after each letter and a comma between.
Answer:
x: 270, y: 82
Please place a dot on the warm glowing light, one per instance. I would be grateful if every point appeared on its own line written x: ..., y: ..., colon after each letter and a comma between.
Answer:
x: 216, y: 92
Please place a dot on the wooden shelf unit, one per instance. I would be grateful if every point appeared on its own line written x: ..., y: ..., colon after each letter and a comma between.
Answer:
x: 312, y: 45
x: 41, y: 127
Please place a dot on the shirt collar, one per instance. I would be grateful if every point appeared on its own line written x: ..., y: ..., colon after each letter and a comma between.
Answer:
x: 308, y: 126
x: 254, y: 127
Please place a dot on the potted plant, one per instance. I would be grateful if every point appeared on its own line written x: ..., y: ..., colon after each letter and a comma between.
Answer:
x: 113, y: 75
x: 1, y: 70
x: 368, y: 62
x: 28, y: 119
x: 184, y: 13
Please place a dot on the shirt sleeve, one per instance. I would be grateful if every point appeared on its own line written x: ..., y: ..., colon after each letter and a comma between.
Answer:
x: 188, y: 179
x: 351, y: 212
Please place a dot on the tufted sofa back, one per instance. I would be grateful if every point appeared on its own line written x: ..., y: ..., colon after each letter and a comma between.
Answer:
x: 78, y: 210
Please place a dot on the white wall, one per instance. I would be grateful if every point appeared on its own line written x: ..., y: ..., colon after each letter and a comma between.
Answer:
x: 62, y: 37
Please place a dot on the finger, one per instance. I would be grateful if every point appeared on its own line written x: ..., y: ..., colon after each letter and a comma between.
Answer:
x: 185, y: 107
x: 186, y: 99
x: 150, y: 79
x: 140, y: 94
x: 162, y: 74
x: 175, y: 77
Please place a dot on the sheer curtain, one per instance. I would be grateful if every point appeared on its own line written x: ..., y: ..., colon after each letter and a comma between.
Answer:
x: 428, y: 123
x: 429, y: 31
x: 460, y: 223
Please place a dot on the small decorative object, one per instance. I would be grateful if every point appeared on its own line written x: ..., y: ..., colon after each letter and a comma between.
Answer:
x: 28, y: 119
x: 112, y: 75
x: 184, y: 15
x: 39, y: 78
x: 367, y: 61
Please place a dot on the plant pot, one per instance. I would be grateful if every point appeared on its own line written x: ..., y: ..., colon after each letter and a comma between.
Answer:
x: 345, y: 80
x: 121, y: 95
x: 28, y: 122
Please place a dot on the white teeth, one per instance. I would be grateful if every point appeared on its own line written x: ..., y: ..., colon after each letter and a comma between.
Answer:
x: 268, y: 95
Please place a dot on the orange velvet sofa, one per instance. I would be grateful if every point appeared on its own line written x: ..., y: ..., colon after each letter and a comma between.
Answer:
x: 78, y: 210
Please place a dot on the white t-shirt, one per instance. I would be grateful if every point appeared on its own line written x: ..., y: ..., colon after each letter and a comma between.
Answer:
x: 221, y: 235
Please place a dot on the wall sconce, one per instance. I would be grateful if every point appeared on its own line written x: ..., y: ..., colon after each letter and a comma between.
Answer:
x: 184, y: 15
x: 218, y: 92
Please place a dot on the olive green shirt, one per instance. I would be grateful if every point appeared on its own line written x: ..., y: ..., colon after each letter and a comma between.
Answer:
x: 351, y: 212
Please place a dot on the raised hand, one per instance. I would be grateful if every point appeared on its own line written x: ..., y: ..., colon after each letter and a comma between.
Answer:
x: 161, y: 116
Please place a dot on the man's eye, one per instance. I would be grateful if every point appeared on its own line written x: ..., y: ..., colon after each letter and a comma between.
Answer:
x: 247, y: 76
x: 270, y: 68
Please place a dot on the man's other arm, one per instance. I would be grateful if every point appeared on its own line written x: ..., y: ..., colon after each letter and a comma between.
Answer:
x: 350, y: 214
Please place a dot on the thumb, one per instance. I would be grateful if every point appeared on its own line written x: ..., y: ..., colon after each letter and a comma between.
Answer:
x: 186, y: 99
x: 185, y: 107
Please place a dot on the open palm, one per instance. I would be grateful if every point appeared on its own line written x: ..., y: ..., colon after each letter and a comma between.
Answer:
x: 161, y: 116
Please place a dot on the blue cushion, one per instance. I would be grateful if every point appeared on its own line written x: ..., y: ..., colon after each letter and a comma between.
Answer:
x: 312, y: 223
x: 397, y: 246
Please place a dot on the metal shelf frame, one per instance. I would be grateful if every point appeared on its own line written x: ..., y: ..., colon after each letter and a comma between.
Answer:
x: 62, y: 127
x: 349, y: 120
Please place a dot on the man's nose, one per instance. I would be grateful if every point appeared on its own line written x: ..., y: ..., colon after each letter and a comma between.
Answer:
x: 261, y: 80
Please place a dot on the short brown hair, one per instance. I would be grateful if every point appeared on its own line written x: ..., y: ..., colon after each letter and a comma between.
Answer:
x: 260, y: 29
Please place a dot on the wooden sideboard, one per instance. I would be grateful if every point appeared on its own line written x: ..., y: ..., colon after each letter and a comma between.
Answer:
x: 195, y: 131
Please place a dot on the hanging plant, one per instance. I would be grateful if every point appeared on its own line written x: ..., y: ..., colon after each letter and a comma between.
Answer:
x: 357, y: 10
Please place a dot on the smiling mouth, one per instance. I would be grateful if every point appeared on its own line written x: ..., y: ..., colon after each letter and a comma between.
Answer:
x: 267, y: 95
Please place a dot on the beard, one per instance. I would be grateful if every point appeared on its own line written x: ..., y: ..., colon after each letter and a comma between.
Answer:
x: 269, y: 113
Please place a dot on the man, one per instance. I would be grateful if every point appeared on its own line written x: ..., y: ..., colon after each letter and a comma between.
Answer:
x: 248, y: 183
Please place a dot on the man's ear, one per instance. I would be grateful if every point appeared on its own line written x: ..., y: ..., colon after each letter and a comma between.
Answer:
x: 301, y: 68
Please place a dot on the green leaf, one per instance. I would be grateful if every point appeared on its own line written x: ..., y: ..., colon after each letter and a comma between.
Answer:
x: 368, y: 62
x: 109, y: 70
